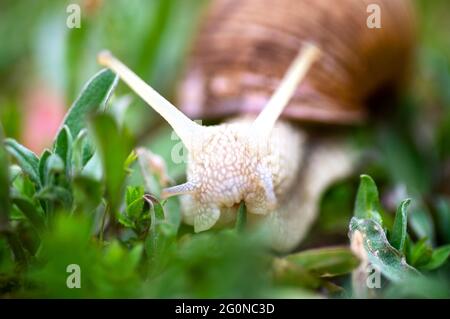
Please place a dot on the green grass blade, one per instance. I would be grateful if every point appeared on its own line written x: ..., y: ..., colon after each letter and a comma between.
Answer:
x: 367, y: 204
x: 398, y: 236
x: 42, y: 165
x: 326, y: 262
x: 28, y: 208
x: 63, y: 147
x: 5, y: 203
x: 113, y: 146
x: 241, y: 219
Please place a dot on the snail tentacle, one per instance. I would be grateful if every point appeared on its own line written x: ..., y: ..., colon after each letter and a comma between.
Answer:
x: 279, y: 100
x: 186, y: 188
x: 182, y: 125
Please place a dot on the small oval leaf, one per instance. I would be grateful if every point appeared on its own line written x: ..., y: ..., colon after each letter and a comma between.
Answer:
x: 25, y: 158
x: 398, y: 236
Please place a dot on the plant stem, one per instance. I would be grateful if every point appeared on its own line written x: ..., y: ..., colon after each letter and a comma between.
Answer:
x: 16, y: 247
x: 102, y: 227
x: 241, y: 219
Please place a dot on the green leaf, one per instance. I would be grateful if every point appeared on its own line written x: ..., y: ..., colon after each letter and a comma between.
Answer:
x: 421, y: 223
x: 78, y: 151
x: 53, y: 165
x: 113, y: 146
x: 159, y: 244
x: 29, y: 209
x: 173, y: 210
x: 25, y: 158
x: 421, y: 253
x: 398, y: 236
x: 157, y: 210
x: 420, y: 287
x: 93, y: 97
x: 42, y: 165
x: 379, y: 252
x: 288, y: 273
x: 119, y: 108
x: 24, y: 186
x: 56, y: 194
x: 93, y: 168
x: 443, y: 217
x: 438, y: 258
x: 134, y: 193
x: 326, y: 262
x: 17, y: 248
x: 49, y: 164
x: 367, y: 203
x: 65, y: 243
x: 132, y: 157
x: 83, y: 151
x: 117, y: 257
x: 87, y: 193
x: 5, y: 200
x: 135, y: 256
x: 5, y: 204
x: 63, y: 147
x: 134, y: 201
x: 14, y: 172
x: 162, y: 235
x: 126, y: 221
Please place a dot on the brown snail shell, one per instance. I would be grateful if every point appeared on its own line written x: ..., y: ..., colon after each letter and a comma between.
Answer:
x: 245, y: 46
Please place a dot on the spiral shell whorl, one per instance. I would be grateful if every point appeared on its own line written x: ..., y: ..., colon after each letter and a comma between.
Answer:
x: 244, y: 48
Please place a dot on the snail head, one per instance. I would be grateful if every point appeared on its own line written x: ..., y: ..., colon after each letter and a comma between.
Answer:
x: 227, y: 163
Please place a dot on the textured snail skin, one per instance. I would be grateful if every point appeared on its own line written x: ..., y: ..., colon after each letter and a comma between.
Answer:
x: 224, y: 166
x: 227, y: 166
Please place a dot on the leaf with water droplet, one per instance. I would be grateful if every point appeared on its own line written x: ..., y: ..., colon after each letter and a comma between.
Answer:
x: 380, y: 253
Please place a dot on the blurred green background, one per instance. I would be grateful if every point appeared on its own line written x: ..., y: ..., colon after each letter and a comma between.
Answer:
x: 39, y: 52
x: 44, y: 65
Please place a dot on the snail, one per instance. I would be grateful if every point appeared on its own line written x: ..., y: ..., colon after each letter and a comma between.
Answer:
x: 247, y: 68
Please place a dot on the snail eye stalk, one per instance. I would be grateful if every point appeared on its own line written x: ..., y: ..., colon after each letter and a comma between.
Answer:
x: 182, y: 125
x: 186, y: 188
x: 294, y: 75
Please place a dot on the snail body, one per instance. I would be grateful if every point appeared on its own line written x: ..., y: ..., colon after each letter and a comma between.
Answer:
x: 239, y: 170
x: 260, y: 156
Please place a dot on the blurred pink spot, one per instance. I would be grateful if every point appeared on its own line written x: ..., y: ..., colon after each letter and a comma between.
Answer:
x: 44, y: 111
